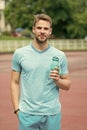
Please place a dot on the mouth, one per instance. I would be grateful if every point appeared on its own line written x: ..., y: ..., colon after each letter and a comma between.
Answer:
x: 42, y: 36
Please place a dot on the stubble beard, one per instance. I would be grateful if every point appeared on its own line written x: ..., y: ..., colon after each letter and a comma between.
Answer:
x: 40, y: 41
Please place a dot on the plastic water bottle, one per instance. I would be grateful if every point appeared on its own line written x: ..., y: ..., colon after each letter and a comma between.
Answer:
x: 55, y: 65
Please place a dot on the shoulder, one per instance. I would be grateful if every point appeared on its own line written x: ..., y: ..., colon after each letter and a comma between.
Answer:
x: 22, y: 50
x: 56, y: 51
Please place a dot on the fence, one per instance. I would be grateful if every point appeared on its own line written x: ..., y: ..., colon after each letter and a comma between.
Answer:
x: 8, y: 46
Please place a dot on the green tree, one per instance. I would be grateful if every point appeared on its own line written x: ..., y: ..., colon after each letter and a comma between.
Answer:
x: 69, y: 17
x: 77, y: 28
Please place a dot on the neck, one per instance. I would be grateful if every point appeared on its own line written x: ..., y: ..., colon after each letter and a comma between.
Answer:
x: 40, y: 46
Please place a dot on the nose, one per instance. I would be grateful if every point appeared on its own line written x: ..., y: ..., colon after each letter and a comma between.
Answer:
x: 42, y: 30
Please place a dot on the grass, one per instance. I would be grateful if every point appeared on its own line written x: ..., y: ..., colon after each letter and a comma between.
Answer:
x: 13, y: 38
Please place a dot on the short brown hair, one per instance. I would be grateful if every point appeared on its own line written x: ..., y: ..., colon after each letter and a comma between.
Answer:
x: 42, y: 17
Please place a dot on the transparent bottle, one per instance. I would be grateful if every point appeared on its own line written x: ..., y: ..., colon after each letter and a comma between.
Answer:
x: 55, y: 65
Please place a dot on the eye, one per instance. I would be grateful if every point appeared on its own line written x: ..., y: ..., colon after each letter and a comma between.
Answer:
x: 46, y: 28
x: 38, y: 27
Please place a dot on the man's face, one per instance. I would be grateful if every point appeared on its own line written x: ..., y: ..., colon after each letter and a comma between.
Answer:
x: 42, y: 31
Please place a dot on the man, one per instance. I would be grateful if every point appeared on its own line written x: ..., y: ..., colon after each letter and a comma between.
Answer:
x: 35, y: 83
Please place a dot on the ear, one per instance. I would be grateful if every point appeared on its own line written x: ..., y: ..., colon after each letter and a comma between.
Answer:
x: 50, y: 31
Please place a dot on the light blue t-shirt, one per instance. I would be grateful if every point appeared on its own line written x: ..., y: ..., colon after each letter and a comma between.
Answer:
x: 39, y: 95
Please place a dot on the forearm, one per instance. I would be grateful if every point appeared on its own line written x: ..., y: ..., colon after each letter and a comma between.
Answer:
x: 15, y: 95
x: 63, y: 83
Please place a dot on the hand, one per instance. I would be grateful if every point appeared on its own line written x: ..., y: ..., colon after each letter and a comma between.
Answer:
x: 54, y: 74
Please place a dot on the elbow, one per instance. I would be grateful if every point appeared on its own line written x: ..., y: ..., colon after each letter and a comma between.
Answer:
x: 67, y: 88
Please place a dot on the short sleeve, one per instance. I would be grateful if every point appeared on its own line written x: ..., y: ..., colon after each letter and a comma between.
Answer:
x: 64, y: 65
x: 15, y: 62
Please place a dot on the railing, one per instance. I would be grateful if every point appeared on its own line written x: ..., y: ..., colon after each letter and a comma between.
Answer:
x: 8, y: 46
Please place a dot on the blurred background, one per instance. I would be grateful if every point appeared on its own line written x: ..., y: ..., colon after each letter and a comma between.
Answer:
x: 69, y: 23
x: 69, y: 17
x: 69, y: 34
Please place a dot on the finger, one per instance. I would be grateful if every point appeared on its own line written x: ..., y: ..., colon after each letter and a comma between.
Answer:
x: 55, y: 78
x: 56, y: 68
x: 54, y: 75
x: 54, y: 71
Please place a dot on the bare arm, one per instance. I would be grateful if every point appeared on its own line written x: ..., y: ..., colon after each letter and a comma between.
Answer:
x: 63, y: 82
x: 15, y: 77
